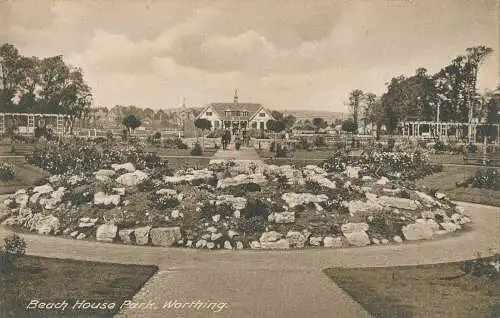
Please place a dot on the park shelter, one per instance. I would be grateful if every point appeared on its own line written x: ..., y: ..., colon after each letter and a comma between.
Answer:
x: 25, y: 123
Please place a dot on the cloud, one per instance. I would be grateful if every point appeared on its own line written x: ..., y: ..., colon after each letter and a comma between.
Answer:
x: 283, y: 53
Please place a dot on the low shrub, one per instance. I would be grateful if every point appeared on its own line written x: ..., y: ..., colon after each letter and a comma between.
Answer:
x: 489, y: 179
x: 163, y: 202
x: 197, y: 150
x: 255, y: 209
x: 251, y: 226
x: 208, y: 210
x: 483, y: 267
x: 174, y: 143
x: 242, y: 190
x: 7, y: 171
x: 320, y: 141
x: 15, y: 244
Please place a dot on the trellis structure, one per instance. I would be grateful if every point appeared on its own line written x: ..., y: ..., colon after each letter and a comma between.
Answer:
x: 441, y: 129
x: 25, y: 123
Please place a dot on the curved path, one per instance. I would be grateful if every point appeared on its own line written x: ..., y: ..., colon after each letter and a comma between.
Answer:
x: 264, y: 283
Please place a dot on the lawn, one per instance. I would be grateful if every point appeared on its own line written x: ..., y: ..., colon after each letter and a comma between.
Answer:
x: 301, y: 154
x: 419, y: 291
x: 446, y: 182
x: 55, y: 280
x: 178, y: 152
x: 24, y: 176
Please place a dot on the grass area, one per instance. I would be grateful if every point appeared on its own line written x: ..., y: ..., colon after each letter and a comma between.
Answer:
x: 55, y: 280
x: 24, y: 176
x: 179, y: 152
x: 419, y: 291
x: 301, y: 154
x: 447, y: 159
x: 446, y: 182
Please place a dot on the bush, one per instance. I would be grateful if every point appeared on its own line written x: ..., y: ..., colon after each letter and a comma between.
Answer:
x: 208, y: 210
x: 197, y: 150
x: 471, y: 148
x: 109, y: 136
x: 7, y: 171
x: 174, y: 143
x: 320, y: 141
x: 251, y: 226
x: 241, y: 190
x: 489, y: 179
x: 15, y: 244
x: 255, y: 209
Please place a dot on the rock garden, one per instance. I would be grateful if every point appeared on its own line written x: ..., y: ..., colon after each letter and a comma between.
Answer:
x: 122, y: 194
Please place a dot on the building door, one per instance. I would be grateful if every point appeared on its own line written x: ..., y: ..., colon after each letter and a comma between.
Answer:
x: 261, y: 125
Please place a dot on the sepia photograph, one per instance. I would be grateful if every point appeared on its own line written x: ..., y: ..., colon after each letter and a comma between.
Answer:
x: 250, y: 158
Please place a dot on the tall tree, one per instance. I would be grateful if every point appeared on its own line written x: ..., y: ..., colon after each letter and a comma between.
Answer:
x: 356, y: 98
x: 131, y: 122
x: 203, y: 124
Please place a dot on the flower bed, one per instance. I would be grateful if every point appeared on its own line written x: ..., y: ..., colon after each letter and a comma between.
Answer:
x: 125, y: 195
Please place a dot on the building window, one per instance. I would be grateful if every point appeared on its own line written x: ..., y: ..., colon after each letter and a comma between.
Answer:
x: 208, y: 113
x: 262, y: 114
x: 245, y: 113
x: 261, y: 125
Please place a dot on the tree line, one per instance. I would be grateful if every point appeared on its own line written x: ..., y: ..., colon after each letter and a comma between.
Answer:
x: 451, y: 91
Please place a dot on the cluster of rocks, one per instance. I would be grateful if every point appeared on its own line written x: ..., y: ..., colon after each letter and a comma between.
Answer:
x: 418, y: 215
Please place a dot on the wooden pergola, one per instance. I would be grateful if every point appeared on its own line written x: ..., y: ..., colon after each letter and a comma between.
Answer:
x: 25, y: 123
x: 441, y: 129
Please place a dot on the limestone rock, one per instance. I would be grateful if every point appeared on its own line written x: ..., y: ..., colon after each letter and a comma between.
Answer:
x: 100, y: 198
x: 420, y: 230
x: 47, y: 188
x: 352, y: 172
x: 126, y: 235
x: 47, y: 224
x: 282, y: 217
x: 129, y: 167
x: 271, y: 236
x: 254, y: 245
x: 400, y: 203
x: 355, y: 233
x: 277, y: 245
x: 397, y: 239
x: 315, y: 240
x: 332, y: 242
x: 106, y: 232
x: 81, y: 236
x: 296, y: 239
x: 132, y: 178
x: 165, y: 236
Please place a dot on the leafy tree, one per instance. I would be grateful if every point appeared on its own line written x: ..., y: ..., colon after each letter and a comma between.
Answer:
x: 276, y: 126
x: 203, y: 124
x: 319, y: 123
x: 131, y: 122
x: 349, y: 125
x: 356, y: 98
x: 277, y: 115
x: 289, y: 121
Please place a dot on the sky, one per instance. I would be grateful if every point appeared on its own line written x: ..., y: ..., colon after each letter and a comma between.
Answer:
x: 284, y: 54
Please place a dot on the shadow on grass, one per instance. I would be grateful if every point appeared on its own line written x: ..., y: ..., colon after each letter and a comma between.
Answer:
x: 440, y: 290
